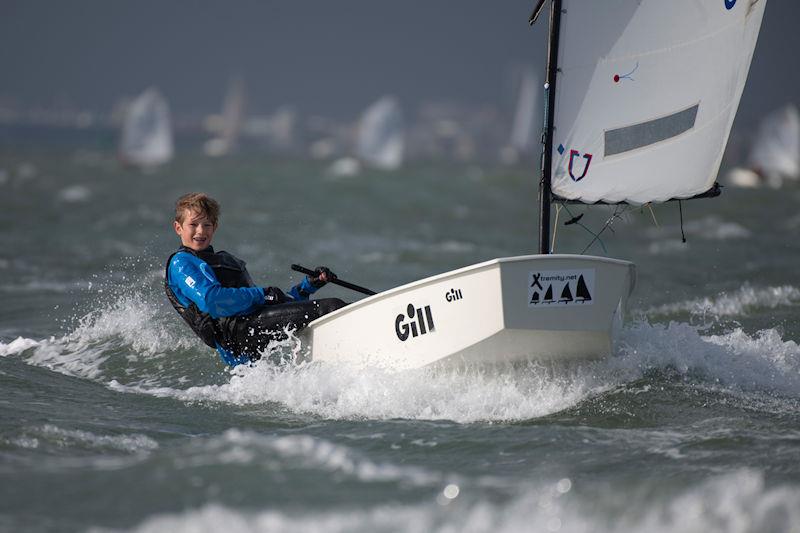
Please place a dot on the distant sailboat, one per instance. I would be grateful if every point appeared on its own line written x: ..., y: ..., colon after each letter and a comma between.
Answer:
x: 147, y: 131
x: 524, y: 128
x: 380, y: 139
x: 775, y: 154
x: 229, y: 124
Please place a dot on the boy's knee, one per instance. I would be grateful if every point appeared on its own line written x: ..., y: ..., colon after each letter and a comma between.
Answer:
x: 328, y: 305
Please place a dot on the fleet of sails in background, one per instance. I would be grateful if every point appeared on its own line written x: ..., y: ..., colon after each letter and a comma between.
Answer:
x: 379, y: 138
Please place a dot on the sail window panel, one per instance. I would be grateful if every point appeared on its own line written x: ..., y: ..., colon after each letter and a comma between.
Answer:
x: 621, y: 140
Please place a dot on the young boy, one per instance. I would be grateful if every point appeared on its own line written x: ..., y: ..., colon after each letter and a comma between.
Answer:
x: 215, y: 295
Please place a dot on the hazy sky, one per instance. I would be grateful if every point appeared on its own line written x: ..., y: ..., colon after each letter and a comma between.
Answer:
x: 324, y: 56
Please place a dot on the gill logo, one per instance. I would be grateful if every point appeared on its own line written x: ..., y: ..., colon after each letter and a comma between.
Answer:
x: 572, y: 155
x: 418, y: 324
x: 453, y: 294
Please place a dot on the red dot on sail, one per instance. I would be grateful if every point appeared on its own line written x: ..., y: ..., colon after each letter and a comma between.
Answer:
x: 616, y: 78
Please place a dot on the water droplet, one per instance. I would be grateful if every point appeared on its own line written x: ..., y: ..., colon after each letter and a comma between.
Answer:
x: 451, y: 491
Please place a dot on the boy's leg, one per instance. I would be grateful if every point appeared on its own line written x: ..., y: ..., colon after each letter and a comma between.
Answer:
x: 254, y: 332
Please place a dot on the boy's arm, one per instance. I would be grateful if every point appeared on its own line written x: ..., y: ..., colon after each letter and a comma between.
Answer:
x: 310, y: 285
x: 302, y: 290
x: 196, y: 281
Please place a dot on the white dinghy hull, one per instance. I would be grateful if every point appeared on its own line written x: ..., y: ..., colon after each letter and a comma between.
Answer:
x: 537, y: 307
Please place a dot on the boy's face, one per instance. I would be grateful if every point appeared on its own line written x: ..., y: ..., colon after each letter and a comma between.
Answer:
x: 196, y: 230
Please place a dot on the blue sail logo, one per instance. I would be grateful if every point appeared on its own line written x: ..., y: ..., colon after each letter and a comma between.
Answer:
x: 729, y: 4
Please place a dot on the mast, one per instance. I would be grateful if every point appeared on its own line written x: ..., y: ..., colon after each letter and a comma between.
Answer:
x: 550, y: 105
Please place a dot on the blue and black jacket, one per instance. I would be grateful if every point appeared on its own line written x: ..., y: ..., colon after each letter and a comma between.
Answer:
x: 210, y: 289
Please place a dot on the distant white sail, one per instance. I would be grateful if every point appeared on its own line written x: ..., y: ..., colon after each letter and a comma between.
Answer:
x: 775, y: 154
x: 147, y: 131
x: 646, y: 95
x: 523, y: 131
x: 381, y: 138
x: 229, y: 124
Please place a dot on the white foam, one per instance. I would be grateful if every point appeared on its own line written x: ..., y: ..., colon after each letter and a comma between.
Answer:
x: 292, y: 452
x: 667, y: 247
x: 18, y: 345
x: 711, y: 227
x: 130, y: 443
x: 736, y: 303
x: 344, y: 392
x: 735, y: 362
x: 739, y: 502
x: 45, y: 285
x: 130, y: 323
x: 75, y: 194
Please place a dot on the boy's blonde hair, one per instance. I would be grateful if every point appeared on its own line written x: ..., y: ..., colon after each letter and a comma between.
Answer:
x: 197, y: 202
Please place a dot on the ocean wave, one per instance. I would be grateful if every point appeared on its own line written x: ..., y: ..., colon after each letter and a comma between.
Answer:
x: 17, y: 346
x: 74, y: 438
x: 125, y: 338
x: 45, y: 286
x: 135, y: 345
x: 735, y: 363
x: 294, y: 452
x: 741, y: 501
x: 711, y: 227
x: 736, y: 303
x: 347, y: 392
x: 737, y: 360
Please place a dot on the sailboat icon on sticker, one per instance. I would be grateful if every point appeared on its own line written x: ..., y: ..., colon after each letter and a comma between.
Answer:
x: 566, y: 295
x: 548, y: 295
x: 582, y: 291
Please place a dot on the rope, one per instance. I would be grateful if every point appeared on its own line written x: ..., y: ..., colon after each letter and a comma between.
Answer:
x: 576, y: 219
x: 555, y: 229
x: 653, y: 214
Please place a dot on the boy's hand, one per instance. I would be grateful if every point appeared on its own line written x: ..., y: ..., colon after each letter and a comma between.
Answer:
x: 322, y: 275
x: 273, y: 295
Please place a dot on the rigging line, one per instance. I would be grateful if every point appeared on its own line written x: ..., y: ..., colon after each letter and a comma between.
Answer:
x: 614, y: 216
x: 575, y: 220
x: 555, y: 228
x: 680, y: 210
x: 653, y: 214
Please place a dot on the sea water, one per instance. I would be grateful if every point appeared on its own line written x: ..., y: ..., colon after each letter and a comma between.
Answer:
x: 116, y: 418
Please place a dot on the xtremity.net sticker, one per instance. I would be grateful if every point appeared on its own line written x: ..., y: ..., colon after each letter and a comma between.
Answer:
x: 553, y: 288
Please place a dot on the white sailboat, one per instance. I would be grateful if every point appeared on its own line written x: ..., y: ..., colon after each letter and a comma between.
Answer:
x: 147, y: 131
x: 641, y: 96
x: 381, y: 138
x: 228, y: 125
x: 775, y: 155
x: 525, y: 127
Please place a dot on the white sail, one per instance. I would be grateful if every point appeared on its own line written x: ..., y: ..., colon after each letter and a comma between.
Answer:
x: 523, y: 130
x: 147, y: 131
x: 228, y: 125
x: 381, y: 139
x: 776, y: 151
x: 646, y: 95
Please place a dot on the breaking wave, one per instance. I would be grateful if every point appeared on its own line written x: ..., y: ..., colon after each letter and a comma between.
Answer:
x: 133, y: 345
x: 747, y: 298
x: 741, y: 501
